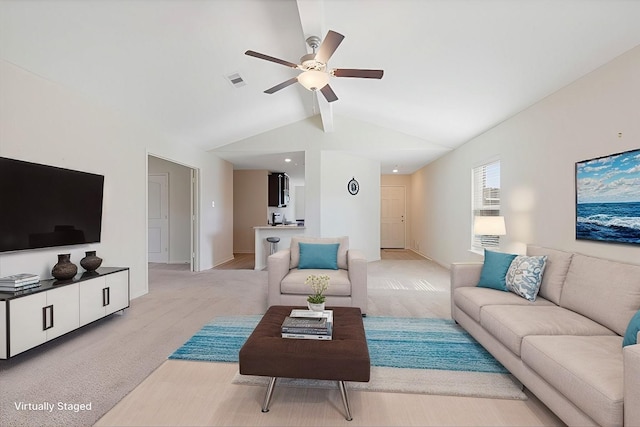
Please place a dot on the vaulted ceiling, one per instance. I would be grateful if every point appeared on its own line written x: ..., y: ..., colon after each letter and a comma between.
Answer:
x: 453, y: 68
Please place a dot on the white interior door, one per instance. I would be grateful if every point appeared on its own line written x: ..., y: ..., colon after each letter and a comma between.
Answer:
x: 158, y: 208
x: 392, y: 217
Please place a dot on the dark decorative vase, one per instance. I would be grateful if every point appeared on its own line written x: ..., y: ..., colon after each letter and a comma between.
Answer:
x: 90, y: 262
x: 64, y: 269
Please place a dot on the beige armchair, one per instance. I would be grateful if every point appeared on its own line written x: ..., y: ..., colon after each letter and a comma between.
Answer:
x: 348, y: 284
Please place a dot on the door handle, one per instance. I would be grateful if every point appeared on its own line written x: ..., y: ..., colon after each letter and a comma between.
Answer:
x: 47, y: 317
x: 106, y: 297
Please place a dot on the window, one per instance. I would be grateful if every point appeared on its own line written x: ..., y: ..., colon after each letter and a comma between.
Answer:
x: 485, y: 190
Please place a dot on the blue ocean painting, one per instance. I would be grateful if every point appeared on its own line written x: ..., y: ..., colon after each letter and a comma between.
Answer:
x: 617, y: 222
x: 608, y: 198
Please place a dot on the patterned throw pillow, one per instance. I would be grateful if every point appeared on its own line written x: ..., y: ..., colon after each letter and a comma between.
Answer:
x: 525, y: 275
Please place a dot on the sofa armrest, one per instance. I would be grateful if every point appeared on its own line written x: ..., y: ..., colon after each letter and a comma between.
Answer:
x: 357, y: 264
x: 463, y: 274
x: 631, y: 354
x: 277, y: 269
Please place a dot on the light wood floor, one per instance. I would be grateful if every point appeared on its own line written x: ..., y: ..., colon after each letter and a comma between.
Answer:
x: 187, y: 393
x: 247, y: 261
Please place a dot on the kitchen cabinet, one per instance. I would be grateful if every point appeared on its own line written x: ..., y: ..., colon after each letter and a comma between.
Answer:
x: 278, y: 189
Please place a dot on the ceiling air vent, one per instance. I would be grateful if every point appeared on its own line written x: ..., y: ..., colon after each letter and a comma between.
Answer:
x: 236, y: 80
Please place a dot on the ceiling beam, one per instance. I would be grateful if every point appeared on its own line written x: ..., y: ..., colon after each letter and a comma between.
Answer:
x: 326, y: 112
x: 312, y: 20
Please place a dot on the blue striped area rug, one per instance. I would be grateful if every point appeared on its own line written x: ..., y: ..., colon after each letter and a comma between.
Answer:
x: 410, y: 343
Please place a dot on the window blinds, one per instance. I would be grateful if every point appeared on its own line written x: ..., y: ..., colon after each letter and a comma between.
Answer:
x: 486, y: 201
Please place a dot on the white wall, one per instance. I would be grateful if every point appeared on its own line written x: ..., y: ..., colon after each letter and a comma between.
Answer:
x: 43, y: 122
x: 538, y: 149
x: 343, y: 214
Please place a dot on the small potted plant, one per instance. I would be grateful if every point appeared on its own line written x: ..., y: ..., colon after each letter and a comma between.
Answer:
x: 319, y: 283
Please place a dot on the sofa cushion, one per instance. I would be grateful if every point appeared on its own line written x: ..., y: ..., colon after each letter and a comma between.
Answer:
x: 587, y: 368
x: 342, y: 249
x: 318, y: 255
x: 525, y: 275
x: 293, y: 283
x: 631, y: 334
x: 471, y: 300
x: 555, y: 271
x: 605, y: 291
x: 509, y: 324
x: 494, y: 270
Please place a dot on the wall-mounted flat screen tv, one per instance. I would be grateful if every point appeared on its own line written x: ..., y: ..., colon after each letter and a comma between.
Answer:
x: 44, y: 206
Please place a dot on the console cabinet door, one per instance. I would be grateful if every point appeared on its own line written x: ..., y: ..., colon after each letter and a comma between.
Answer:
x: 3, y: 330
x: 117, y: 293
x: 26, y: 322
x: 65, y: 310
x: 91, y: 295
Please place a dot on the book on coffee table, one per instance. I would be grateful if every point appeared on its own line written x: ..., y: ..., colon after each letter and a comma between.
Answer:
x: 306, y: 324
x: 327, y: 337
x: 317, y: 325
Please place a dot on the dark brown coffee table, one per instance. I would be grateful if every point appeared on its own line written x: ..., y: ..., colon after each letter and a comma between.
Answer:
x: 344, y: 358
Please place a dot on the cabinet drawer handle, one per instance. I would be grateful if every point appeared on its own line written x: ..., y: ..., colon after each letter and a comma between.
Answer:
x: 47, y: 317
x: 106, y: 297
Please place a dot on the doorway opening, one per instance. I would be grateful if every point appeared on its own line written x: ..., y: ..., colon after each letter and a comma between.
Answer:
x: 172, y: 213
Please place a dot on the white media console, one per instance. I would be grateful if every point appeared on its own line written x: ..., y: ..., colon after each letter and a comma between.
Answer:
x: 32, y: 317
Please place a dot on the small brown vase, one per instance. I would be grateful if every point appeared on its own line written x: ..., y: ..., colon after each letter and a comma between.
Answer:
x: 90, y: 262
x: 64, y: 269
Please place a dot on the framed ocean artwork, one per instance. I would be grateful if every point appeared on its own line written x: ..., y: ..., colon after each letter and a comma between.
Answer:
x: 608, y: 198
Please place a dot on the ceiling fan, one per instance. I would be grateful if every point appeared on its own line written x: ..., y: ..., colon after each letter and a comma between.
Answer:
x: 315, y: 74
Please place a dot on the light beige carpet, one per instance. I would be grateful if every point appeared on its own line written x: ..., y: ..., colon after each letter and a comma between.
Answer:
x: 103, y: 362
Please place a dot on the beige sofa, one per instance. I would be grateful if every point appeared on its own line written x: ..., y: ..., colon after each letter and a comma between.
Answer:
x: 566, y: 346
x: 348, y: 284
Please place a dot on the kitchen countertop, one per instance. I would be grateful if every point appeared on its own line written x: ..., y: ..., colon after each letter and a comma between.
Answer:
x: 284, y: 232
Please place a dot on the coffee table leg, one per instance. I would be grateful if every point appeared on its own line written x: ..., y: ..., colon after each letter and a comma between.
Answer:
x: 345, y: 399
x: 269, y: 394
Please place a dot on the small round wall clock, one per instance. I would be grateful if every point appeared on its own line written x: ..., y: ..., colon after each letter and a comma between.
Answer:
x: 353, y: 186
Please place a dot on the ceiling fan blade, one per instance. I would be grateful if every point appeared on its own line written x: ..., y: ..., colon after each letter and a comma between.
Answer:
x: 328, y: 93
x: 282, y: 85
x: 271, y: 58
x: 355, y: 72
x: 329, y: 45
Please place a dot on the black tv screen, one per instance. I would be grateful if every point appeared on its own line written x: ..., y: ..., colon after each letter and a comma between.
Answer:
x: 44, y: 206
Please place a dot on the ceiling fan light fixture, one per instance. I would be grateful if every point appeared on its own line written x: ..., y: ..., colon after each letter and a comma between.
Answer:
x: 309, y: 62
x: 313, y: 80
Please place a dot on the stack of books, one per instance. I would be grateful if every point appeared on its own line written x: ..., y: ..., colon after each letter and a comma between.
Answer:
x: 19, y: 282
x: 309, y: 325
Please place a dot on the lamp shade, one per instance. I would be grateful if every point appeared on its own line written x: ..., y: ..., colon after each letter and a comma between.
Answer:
x: 489, y: 226
x: 313, y: 79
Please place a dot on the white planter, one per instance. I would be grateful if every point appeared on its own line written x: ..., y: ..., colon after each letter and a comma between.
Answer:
x: 316, y: 307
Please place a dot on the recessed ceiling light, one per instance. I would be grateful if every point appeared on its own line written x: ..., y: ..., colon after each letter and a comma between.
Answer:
x: 287, y: 160
x: 395, y: 170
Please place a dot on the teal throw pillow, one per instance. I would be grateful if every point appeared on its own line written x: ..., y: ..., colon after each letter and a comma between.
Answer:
x: 319, y: 255
x: 525, y: 275
x: 631, y: 336
x: 494, y: 270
